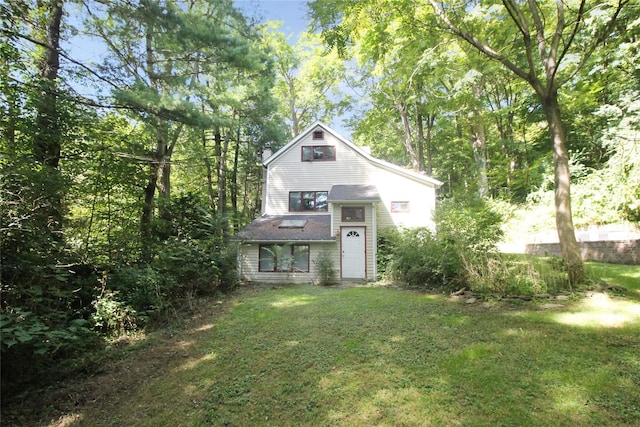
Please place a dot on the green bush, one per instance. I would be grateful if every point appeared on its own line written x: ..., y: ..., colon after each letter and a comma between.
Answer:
x: 467, y: 231
x: 191, y: 258
x: 112, y: 316
x: 326, y: 271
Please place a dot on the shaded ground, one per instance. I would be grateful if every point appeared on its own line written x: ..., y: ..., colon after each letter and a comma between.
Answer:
x: 128, y: 362
x: 135, y: 369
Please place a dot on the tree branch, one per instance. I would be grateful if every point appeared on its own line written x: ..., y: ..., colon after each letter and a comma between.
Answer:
x: 520, y: 21
x: 61, y: 53
x: 601, y: 37
x: 480, y: 45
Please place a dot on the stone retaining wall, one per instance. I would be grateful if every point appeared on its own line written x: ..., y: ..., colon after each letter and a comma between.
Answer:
x: 613, y: 251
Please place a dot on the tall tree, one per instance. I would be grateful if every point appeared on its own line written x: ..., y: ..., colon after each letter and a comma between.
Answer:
x: 556, y: 41
x: 545, y: 44
x: 166, y: 78
x: 308, y: 80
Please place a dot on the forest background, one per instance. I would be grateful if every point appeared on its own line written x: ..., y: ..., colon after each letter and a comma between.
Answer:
x: 124, y: 180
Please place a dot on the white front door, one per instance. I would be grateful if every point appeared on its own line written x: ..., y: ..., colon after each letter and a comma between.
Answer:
x: 353, y: 253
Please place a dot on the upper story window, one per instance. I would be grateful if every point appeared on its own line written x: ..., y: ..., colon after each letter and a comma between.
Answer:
x: 353, y: 213
x: 318, y: 134
x: 318, y: 153
x: 308, y: 201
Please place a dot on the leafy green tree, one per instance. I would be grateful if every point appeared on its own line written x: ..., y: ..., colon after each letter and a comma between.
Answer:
x: 309, y: 80
x: 545, y: 44
x: 554, y: 43
x: 174, y: 65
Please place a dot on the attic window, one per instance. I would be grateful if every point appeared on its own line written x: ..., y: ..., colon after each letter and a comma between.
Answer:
x: 318, y: 134
x: 293, y: 223
x: 318, y: 153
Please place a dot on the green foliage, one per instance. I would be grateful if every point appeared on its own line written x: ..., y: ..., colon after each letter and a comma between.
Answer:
x: 191, y: 260
x: 463, y: 253
x: 326, y: 271
x: 27, y: 329
x: 112, y: 316
x: 507, y: 275
x: 467, y: 231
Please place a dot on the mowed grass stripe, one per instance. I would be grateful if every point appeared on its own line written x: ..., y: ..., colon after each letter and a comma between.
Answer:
x: 368, y: 356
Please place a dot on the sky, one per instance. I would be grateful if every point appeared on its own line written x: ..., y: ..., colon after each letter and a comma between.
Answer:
x: 293, y: 13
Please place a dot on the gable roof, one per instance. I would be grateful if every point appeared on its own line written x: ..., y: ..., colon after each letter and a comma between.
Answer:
x: 424, y: 179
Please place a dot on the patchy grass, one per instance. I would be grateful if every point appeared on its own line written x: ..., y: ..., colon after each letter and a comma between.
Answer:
x: 366, y: 356
x: 625, y: 276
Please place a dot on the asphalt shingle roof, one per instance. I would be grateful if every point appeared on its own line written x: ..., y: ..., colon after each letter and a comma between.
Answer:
x: 355, y: 193
x: 287, y: 228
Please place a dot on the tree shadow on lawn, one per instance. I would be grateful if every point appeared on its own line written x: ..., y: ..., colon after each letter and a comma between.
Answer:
x: 371, y: 356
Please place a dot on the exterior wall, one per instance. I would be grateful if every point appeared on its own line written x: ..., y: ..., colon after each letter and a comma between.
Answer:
x: 613, y: 251
x: 248, y: 262
x: 370, y: 235
x: 290, y: 173
x: 421, y: 198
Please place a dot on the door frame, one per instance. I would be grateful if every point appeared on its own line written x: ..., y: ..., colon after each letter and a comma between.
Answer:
x: 364, y: 250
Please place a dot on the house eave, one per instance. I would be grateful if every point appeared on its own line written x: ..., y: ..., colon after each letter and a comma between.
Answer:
x: 423, y: 179
x: 247, y: 241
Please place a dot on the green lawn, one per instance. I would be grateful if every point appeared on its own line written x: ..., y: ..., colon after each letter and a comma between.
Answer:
x: 373, y: 356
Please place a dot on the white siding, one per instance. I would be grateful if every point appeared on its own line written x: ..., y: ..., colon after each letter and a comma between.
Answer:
x: 397, y: 188
x: 370, y: 235
x: 287, y: 172
x: 290, y: 173
x: 248, y: 263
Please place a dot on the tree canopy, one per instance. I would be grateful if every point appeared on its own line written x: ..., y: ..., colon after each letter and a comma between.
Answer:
x: 124, y: 177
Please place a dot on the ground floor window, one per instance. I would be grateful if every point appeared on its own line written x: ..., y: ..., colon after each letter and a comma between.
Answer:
x: 293, y: 258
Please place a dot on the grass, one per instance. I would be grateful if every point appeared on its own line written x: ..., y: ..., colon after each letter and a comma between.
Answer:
x: 374, y: 356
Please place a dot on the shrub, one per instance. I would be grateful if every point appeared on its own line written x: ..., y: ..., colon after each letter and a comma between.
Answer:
x: 509, y: 275
x: 112, y: 316
x: 326, y: 272
x: 467, y: 231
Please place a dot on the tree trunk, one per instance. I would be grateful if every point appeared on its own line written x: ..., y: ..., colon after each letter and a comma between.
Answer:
x: 147, y: 211
x: 295, y: 120
x: 408, y: 143
x: 234, y: 178
x: 479, y: 141
x: 47, y: 141
x: 420, y: 141
x: 431, y: 118
x: 155, y: 175
x: 564, y: 220
x: 207, y: 164
x: 221, y: 169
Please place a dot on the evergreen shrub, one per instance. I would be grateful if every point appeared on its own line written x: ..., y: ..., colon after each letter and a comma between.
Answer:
x: 326, y: 271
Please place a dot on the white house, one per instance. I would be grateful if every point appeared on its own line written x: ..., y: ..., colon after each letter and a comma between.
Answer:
x: 323, y: 193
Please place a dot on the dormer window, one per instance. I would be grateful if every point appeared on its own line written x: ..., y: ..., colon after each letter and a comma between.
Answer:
x: 318, y: 153
x: 318, y: 134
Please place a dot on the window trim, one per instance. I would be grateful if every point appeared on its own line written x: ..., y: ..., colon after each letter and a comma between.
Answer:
x: 400, y: 210
x: 292, y: 254
x: 317, y: 135
x: 344, y: 218
x: 315, y: 201
x: 324, y: 153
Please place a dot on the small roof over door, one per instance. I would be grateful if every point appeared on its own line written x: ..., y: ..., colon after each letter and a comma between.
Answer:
x: 354, y: 193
